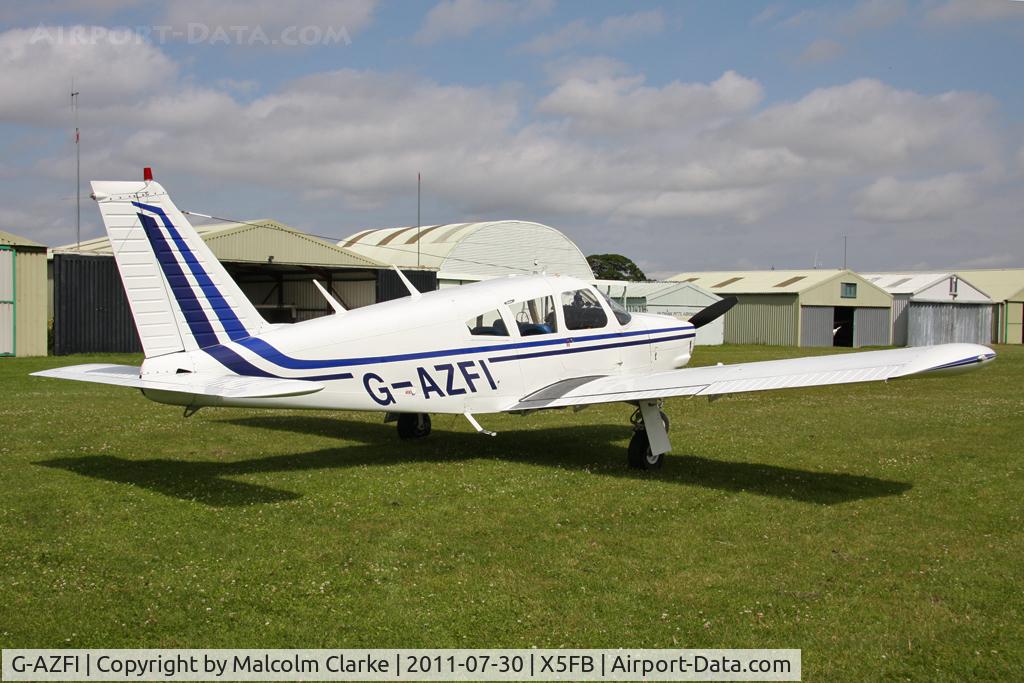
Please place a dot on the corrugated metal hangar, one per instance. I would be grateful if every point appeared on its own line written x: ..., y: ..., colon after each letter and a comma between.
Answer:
x: 23, y: 316
x: 801, y: 307
x: 935, y: 308
x: 678, y: 299
x: 273, y: 264
x: 1005, y: 286
x: 469, y: 252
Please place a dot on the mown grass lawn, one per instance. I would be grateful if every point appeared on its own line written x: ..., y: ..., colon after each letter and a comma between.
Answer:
x: 877, y: 527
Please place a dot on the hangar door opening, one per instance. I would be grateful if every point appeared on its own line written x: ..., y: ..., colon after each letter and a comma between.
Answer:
x: 842, y: 325
x: 6, y: 301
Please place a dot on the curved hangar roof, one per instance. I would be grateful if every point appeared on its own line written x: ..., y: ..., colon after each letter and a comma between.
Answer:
x: 474, y: 250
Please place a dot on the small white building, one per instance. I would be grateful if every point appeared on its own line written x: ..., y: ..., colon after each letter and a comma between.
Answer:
x: 678, y: 299
x: 935, y: 308
x: 470, y: 252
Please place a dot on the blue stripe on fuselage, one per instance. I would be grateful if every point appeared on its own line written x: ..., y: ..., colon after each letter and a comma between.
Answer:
x: 230, y: 322
x: 584, y: 349
x: 267, y: 352
x: 240, y: 366
x: 232, y: 361
x: 237, y: 364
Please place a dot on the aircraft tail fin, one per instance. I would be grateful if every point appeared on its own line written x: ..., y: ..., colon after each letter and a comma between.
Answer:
x: 181, y: 296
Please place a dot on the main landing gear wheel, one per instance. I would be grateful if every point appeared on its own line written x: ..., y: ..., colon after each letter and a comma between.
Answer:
x: 639, y: 454
x: 413, y: 425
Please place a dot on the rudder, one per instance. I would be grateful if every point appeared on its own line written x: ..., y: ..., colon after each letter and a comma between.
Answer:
x: 182, y: 298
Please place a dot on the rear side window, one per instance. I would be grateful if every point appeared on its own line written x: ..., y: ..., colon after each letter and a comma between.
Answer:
x: 536, y: 316
x: 487, y: 324
x: 582, y: 310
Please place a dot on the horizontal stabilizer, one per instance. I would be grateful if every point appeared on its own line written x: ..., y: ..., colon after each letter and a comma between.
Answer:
x: 716, y: 380
x: 222, y: 386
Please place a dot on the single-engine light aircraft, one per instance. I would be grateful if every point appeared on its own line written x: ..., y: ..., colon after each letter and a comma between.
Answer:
x: 509, y: 345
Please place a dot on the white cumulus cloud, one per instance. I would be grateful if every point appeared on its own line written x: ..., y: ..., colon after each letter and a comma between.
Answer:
x: 889, y: 199
x: 601, y: 150
x: 37, y: 67
x: 868, y: 124
x: 624, y: 104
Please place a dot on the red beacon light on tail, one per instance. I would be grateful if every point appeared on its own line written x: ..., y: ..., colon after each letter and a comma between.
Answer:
x: 147, y: 174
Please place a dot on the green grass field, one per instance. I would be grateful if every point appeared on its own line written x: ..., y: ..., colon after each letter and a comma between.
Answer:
x: 877, y: 527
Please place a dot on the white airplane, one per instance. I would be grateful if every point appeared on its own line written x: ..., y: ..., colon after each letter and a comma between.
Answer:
x: 509, y: 345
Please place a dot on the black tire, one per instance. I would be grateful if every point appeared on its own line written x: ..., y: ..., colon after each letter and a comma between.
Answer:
x: 639, y: 453
x: 413, y: 425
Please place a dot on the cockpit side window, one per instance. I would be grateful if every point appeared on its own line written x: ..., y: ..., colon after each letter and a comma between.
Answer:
x: 536, y: 316
x: 621, y: 314
x: 583, y: 311
x: 487, y: 324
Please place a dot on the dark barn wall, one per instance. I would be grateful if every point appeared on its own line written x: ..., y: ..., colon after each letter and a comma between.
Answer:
x: 389, y: 286
x: 90, y: 310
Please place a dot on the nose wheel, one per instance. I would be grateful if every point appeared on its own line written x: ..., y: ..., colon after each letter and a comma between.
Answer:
x: 413, y: 425
x: 649, y: 444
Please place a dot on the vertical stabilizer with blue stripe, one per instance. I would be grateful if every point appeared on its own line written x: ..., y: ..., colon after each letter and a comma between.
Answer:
x: 181, y: 297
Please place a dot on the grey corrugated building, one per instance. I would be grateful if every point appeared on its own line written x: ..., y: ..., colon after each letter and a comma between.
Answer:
x: 935, y: 308
x: 800, y: 307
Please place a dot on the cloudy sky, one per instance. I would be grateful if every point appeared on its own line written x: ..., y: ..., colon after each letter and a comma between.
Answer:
x: 686, y: 135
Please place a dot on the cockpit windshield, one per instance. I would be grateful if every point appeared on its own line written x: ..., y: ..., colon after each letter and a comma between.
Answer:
x: 621, y: 314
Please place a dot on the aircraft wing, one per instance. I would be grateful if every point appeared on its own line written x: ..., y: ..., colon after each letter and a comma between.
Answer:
x: 224, y: 386
x: 761, y: 376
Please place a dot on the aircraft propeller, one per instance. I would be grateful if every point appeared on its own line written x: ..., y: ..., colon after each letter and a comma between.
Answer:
x: 712, y: 312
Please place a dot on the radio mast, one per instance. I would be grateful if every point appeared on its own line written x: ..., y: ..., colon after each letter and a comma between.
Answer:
x: 417, y: 220
x: 78, y: 170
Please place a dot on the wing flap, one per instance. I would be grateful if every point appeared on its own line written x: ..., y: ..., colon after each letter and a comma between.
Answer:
x: 715, y: 380
x: 222, y: 386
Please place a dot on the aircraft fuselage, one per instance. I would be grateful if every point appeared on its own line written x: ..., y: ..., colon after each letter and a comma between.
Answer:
x: 477, y: 348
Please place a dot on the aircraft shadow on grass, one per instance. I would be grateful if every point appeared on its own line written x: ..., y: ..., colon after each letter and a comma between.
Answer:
x: 212, y: 482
